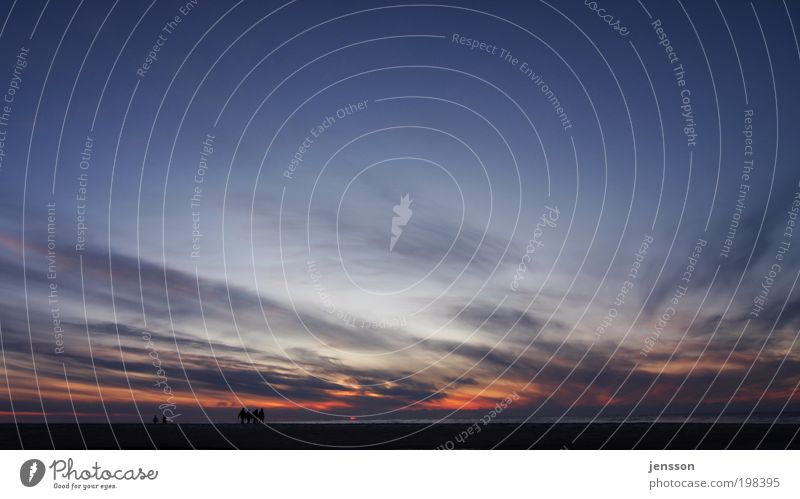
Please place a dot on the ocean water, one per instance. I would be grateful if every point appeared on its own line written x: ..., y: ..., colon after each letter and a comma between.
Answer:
x: 735, y: 419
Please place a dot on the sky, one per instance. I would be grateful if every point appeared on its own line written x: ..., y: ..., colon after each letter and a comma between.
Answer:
x: 398, y: 211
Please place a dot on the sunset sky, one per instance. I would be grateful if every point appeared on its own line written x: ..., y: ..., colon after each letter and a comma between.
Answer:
x: 210, y: 228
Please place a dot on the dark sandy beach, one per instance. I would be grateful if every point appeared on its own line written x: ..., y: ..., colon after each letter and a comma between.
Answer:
x: 401, y: 436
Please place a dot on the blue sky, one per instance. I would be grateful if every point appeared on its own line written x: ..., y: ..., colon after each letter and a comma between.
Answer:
x: 293, y: 300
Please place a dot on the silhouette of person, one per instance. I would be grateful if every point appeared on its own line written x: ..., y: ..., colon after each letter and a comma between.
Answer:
x: 163, y: 420
x: 155, y: 419
x: 261, y: 415
x: 241, y: 415
x: 248, y: 417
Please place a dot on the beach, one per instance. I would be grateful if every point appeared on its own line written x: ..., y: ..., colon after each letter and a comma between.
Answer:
x: 499, y: 435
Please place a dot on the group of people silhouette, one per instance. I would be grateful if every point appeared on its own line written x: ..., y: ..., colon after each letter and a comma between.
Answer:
x: 246, y: 416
